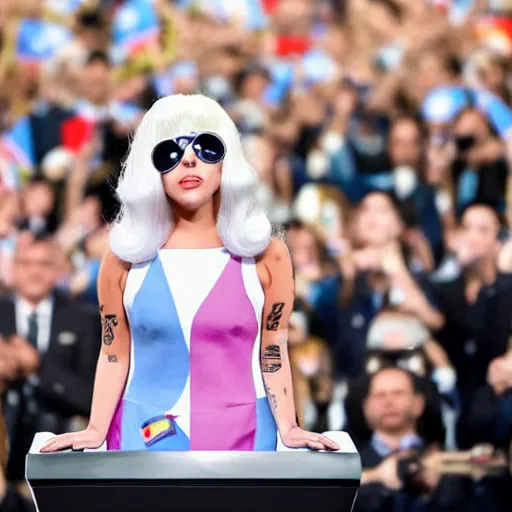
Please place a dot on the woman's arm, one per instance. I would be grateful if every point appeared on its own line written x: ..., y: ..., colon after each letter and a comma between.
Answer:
x: 276, y: 275
x: 437, y: 354
x: 113, y: 361
x: 278, y: 287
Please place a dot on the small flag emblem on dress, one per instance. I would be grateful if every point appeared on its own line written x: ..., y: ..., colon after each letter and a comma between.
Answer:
x: 155, y: 429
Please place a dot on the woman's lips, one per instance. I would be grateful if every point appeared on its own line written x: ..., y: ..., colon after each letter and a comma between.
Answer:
x: 189, y: 182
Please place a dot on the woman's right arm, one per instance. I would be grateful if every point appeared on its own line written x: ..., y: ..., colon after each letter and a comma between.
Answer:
x: 113, y: 362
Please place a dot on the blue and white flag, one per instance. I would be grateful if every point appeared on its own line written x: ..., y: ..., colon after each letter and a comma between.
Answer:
x: 18, y: 142
x: 9, y: 175
x: 248, y: 12
x: 135, y: 24
x: 317, y: 66
x: 39, y: 40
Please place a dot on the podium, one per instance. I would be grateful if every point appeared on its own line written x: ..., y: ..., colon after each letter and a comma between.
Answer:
x: 296, y: 481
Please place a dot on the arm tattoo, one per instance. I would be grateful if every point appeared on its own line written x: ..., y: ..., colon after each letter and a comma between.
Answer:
x: 108, y: 323
x: 274, y: 316
x: 271, y: 359
x: 272, y: 400
x: 112, y: 359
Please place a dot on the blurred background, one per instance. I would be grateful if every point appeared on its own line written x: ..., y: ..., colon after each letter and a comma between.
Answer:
x: 382, y: 134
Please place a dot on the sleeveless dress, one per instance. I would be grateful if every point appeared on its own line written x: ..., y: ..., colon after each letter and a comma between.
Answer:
x: 195, y: 381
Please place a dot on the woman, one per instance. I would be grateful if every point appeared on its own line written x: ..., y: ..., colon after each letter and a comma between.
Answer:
x: 379, y: 264
x: 317, y: 279
x: 186, y: 363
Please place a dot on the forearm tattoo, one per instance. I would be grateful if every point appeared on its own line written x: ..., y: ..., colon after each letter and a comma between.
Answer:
x: 274, y: 316
x: 112, y: 359
x: 271, y: 359
x: 272, y: 400
x: 108, y: 322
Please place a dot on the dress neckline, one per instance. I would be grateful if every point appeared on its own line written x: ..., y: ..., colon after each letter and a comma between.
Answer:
x: 179, y: 249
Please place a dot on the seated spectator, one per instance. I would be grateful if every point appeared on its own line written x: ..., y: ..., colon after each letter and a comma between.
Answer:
x: 430, y: 423
x: 55, y: 344
x: 393, y: 473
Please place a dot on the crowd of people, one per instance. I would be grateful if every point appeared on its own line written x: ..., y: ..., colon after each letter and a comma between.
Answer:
x: 382, y: 134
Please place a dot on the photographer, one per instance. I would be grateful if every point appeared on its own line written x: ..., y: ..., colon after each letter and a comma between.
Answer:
x: 394, y: 474
x: 477, y: 308
x: 479, y: 170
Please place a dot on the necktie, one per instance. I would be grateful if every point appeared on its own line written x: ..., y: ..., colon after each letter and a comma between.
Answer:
x: 32, y: 329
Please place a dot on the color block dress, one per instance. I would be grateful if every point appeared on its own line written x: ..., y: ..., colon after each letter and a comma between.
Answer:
x: 195, y: 381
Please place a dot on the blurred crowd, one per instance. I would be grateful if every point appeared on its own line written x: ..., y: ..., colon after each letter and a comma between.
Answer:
x: 382, y: 134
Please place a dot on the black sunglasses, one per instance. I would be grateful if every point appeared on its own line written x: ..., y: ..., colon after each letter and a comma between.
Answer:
x: 208, y: 147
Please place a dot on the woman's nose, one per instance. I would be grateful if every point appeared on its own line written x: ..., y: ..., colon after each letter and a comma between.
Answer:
x: 189, y: 157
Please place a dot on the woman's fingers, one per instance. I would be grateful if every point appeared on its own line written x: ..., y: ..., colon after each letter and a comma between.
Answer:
x: 331, y: 445
x: 315, y: 445
x: 312, y: 440
x: 57, y: 443
x: 77, y: 441
x: 320, y: 442
x: 81, y: 443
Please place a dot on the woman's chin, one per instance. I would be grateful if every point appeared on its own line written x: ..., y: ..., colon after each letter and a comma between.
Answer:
x: 191, y: 204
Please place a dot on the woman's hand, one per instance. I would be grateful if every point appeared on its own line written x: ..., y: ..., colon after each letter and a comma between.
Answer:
x: 88, y: 438
x: 392, y: 261
x: 26, y: 355
x: 297, y: 437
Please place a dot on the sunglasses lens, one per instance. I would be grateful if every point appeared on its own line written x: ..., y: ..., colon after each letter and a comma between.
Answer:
x: 209, y: 148
x: 166, y: 156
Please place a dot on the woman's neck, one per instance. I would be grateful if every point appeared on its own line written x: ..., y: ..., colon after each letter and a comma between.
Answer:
x: 194, y: 229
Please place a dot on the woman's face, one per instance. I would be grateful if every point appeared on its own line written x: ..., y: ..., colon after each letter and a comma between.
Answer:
x: 377, y: 221
x: 303, y: 248
x: 192, y: 183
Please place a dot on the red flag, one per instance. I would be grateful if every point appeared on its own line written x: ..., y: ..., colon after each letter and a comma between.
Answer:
x: 75, y: 132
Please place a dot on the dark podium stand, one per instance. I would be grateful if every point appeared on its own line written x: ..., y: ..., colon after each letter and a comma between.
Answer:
x: 297, y: 481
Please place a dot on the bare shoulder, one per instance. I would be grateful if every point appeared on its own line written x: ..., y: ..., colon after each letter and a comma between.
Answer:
x: 275, y: 253
x: 113, y: 271
x: 275, y: 261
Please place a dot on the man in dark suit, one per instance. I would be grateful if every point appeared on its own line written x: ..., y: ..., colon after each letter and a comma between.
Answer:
x: 55, y: 343
x: 10, y: 499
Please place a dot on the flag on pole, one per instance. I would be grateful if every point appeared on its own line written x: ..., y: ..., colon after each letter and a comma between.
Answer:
x: 39, y: 40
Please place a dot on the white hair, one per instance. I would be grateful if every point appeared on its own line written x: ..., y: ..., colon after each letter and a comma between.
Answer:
x: 145, y: 221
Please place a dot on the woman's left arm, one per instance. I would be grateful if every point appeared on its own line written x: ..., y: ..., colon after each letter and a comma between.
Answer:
x: 276, y: 274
